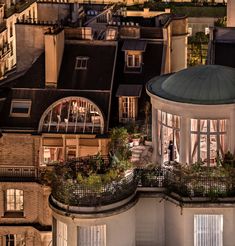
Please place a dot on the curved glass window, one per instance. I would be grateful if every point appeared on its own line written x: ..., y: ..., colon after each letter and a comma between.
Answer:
x: 168, y: 136
x: 207, y: 140
x: 72, y: 115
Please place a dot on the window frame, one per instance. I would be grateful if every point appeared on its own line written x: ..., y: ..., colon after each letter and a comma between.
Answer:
x: 15, y: 203
x: 203, y: 231
x: 132, y: 57
x: 168, y: 121
x: 81, y: 62
x: 198, y: 133
x: 15, y: 239
x: 128, y: 108
x: 18, y: 101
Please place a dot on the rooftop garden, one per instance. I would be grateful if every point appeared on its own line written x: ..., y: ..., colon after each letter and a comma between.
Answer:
x: 95, y: 180
x: 103, y: 180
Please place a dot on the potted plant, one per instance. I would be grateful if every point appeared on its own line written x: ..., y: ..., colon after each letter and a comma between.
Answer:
x: 136, y: 137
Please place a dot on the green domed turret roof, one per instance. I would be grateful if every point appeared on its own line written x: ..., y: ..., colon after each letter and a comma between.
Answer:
x: 209, y: 84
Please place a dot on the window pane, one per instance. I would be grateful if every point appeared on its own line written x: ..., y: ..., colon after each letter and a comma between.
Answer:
x: 163, y: 117
x: 177, y: 122
x: 169, y: 119
x: 159, y: 115
x: 213, y: 149
x: 167, y: 137
x: 15, y: 200
x: 203, y: 125
x: 52, y: 154
x: 208, y: 230
x: 213, y: 125
x: 159, y: 139
x: 222, y: 125
x: 203, y: 148
x: 20, y: 107
x: 194, y: 147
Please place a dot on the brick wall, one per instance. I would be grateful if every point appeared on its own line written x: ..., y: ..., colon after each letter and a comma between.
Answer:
x: 19, y: 149
x: 36, y: 208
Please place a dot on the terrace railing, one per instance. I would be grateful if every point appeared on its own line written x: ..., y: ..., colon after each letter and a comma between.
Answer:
x: 69, y: 191
x: 18, y: 173
x: 74, y: 194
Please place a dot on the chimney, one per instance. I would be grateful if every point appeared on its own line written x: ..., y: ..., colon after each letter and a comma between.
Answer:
x: 54, y: 49
x: 230, y: 13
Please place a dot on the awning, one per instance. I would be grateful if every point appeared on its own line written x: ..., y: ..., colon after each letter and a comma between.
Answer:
x: 129, y: 90
x: 138, y: 45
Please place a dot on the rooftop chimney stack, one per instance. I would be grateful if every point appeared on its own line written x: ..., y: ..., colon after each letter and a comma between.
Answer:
x: 54, y: 49
x: 231, y: 13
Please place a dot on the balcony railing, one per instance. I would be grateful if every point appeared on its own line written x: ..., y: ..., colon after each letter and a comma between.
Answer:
x: 18, y: 173
x: 189, y: 185
x: 69, y: 191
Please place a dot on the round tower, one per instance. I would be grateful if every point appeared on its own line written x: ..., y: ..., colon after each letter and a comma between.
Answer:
x: 96, y: 210
x: 230, y: 13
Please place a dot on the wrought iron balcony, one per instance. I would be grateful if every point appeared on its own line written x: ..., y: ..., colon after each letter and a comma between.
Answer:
x: 18, y: 173
x: 212, y: 184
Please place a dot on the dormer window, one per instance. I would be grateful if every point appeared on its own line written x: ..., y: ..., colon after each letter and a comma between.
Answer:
x: 111, y: 34
x: 134, y: 50
x: 133, y: 60
x: 20, y: 108
x: 128, y: 96
x: 81, y: 62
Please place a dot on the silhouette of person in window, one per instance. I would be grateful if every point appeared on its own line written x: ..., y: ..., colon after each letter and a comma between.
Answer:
x: 171, y: 151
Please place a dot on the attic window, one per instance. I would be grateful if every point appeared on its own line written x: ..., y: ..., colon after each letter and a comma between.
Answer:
x: 81, y: 63
x: 111, y: 34
x: 20, y: 108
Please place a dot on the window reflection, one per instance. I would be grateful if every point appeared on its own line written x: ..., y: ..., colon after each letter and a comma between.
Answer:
x: 73, y: 115
x: 209, y: 141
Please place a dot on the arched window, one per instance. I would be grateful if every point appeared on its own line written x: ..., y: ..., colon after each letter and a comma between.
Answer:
x: 72, y: 115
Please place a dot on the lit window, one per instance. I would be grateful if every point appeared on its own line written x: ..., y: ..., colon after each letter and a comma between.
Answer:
x: 13, y: 240
x: 111, y: 34
x: 190, y: 31
x: 208, y: 230
x: 92, y: 235
x: 81, y: 63
x: 72, y: 114
x: 207, y: 30
x: 85, y: 33
x: 61, y: 229
x: 169, y: 136
x: 133, y: 60
x: 128, y: 109
x: 207, y: 140
x: 14, y: 200
x: 20, y: 108
x: 52, y: 154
